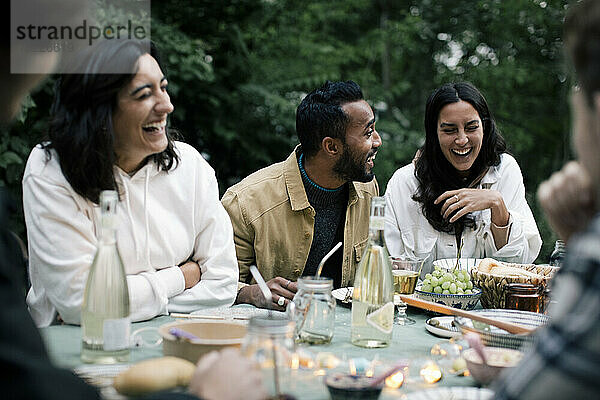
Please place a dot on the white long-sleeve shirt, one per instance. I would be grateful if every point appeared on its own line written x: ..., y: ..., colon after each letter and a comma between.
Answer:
x: 408, y: 233
x: 164, y: 220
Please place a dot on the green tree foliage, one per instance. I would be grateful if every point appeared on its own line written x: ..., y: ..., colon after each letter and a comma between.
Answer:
x: 237, y: 70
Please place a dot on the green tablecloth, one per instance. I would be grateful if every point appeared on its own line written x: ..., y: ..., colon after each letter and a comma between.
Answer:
x: 409, y: 342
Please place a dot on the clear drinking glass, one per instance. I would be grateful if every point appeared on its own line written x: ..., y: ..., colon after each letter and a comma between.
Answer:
x: 406, y: 274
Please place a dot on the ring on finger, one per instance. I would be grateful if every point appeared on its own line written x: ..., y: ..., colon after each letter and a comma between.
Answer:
x: 456, y: 197
x: 288, y: 284
x: 281, y: 301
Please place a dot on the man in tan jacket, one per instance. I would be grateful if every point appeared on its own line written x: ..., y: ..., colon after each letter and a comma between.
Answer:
x: 287, y: 216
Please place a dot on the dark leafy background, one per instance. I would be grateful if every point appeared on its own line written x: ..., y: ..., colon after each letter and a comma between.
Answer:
x: 238, y: 69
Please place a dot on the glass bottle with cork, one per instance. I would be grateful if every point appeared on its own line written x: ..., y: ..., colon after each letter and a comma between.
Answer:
x: 557, y: 254
x: 105, y: 323
x: 373, y: 295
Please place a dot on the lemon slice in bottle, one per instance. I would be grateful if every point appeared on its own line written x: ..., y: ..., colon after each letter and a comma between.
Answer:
x: 383, y: 318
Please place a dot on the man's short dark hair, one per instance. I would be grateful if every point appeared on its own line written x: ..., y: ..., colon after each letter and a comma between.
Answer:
x: 320, y: 114
x: 582, y: 37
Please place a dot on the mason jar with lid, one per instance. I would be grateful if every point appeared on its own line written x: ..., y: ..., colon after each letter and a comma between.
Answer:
x: 524, y: 297
x: 314, y: 310
x: 270, y: 342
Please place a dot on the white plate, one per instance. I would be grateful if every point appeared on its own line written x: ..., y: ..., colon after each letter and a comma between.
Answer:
x: 344, y: 295
x: 452, y: 393
x: 238, y: 312
x: 465, y: 263
x: 444, y: 327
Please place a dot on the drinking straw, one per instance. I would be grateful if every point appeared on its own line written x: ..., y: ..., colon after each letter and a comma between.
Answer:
x: 318, y: 275
x: 322, y: 263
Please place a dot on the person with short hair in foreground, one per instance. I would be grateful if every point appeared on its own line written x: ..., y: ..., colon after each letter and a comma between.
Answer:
x: 565, y: 360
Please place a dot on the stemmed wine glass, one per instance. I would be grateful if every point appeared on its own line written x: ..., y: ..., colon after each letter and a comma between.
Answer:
x: 405, y: 272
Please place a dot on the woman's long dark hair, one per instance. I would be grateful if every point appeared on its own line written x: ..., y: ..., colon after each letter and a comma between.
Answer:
x: 81, y: 129
x: 434, y: 172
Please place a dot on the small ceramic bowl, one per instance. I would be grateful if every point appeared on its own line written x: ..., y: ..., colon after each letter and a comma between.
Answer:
x: 211, y: 335
x: 462, y: 301
x: 498, y: 359
x: 351, y: 387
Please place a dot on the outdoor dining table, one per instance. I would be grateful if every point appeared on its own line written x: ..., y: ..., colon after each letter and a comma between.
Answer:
x: 409, y: 342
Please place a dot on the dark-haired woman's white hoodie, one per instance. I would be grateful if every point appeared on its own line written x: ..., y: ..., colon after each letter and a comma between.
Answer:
x: 164, y: 220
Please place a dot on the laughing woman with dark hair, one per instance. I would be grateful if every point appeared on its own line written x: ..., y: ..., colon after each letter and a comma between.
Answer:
x: 462, y: 187
x: 109, y: 132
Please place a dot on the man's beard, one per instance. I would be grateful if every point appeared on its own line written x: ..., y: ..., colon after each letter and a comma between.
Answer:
x: 352, y: 167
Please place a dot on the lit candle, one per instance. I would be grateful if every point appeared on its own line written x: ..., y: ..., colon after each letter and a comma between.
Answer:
x: 430, y: 372
x: 394, y: 381
x: 327, y: 360
x: 447, y: 355
x: 360, y: 366
x: 295, y: 362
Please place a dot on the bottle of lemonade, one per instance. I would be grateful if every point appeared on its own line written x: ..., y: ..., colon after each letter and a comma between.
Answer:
x: 105, y: 323
x: 373, y: 296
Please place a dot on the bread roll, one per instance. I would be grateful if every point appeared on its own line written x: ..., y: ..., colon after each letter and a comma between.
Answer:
x: 154, y: 375
x: 491, y: 266
x: 487, y: 264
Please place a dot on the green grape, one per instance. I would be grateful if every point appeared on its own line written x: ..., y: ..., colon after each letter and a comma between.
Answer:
x: 444, y: 281
x: 453, y: 288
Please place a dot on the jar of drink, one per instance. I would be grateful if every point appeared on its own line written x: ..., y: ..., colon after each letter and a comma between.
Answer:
x: 270, y: 342
x: 524, y: 296
x: 314, y: 311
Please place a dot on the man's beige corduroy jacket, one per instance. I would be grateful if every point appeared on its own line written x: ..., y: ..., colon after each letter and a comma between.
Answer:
x: 273, y: 222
